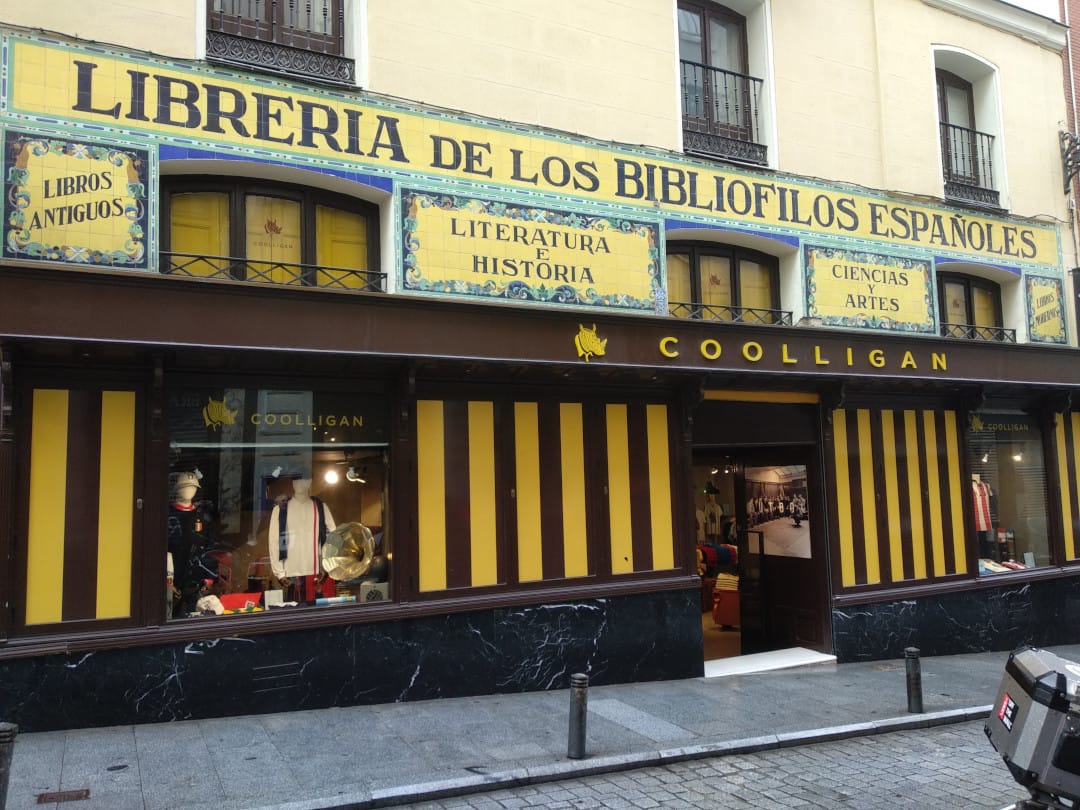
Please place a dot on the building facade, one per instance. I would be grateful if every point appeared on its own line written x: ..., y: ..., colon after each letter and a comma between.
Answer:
x: 363, y: 352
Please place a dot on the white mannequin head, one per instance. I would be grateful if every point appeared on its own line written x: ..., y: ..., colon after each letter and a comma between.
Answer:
x: 301, y: 488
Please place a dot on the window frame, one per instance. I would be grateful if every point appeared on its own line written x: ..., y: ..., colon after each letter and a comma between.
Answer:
x: 374, y: 386
x: 271, y: 26
x: 735, y: 254
x: 743, y: 129
x: 969, y: 282
x: 309, y: 199
x: 947, y: 80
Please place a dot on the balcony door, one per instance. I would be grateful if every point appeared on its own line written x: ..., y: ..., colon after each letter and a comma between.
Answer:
x: 956, y: 107
x: 712, y: 49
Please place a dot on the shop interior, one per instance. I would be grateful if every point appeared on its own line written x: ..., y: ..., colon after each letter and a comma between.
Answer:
x: 717, y: 557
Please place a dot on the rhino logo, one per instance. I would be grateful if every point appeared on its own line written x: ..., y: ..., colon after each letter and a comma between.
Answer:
x: 588, y: 343
x: 215, y: 414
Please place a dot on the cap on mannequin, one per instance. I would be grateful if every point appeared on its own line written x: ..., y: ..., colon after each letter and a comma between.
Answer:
x: 185, y: 487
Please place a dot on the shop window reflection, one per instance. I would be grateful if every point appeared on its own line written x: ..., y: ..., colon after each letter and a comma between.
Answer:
x: 276, y: 501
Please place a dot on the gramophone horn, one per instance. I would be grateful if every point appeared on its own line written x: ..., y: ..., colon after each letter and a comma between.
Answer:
x: 348, y: 551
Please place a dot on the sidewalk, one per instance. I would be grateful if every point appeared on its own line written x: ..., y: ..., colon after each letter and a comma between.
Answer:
x: 393, y: 754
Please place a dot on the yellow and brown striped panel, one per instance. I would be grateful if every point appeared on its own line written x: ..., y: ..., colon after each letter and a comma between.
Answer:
x: 1067, y: 441
x: 639, y: 488
x: 81, y: 510
x: 460, y: 512
x: 899, y: 501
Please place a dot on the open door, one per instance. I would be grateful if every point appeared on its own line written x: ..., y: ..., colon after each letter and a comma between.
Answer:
x: 769, y: 507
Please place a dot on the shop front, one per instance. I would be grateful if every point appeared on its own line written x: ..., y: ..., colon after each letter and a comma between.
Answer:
x: 353, y: 401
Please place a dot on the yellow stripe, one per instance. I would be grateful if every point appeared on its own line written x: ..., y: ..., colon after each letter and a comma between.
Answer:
x: 892, y: 496
x: 933, y: 485
x: 663, y: 539
x: 431, y: 494
x: 575, y: 536
x: 530, y: 538
x: 918, y: 536
x: 764, y: 396
x: 618, y: 460
x: 484, y: 555
x: 869, y: 506
x: 116, y: 493
x: 956, y: 508
x: 48, y: 496
x: 843, y: 499
x: 1065, y: 454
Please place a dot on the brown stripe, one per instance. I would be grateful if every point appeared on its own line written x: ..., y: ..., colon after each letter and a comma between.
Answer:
x: 506, y: 466
x: 458, y: 541
x: 81, y: 506
x: 1069, y: 449
x: 877, y: 447
x: 928, y: 539
x: 597, y: 506
x: 851, y: 418
x: 945, y: 490
x: 903, y: 493
x: 640, y: 503
x: 551, y: 512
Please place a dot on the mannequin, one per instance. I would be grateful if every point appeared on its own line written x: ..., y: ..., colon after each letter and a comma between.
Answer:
x: 298, y: 528
x: 713, y: 513
x: 189, y: 526
x: 984, y: 524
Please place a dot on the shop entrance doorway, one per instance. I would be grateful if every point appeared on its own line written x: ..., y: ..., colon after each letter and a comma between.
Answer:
x: 760, y: 551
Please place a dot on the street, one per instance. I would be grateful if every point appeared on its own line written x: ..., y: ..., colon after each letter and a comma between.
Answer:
x: 952, y: 766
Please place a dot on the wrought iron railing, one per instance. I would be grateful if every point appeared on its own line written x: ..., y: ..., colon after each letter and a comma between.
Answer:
x: 721, y: 113
x: 708, y: 312
x: 967, y: 331
x: 968, y: 160
x: 293, y: 37
x: 265, y: 272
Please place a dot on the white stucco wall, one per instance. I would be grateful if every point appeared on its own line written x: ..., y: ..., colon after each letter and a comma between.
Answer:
x: 164, y: 27
x: 603, y: 68
x: 868, y: 113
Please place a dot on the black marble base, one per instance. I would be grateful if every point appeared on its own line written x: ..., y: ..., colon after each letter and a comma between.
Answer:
x: 992, y: 618
x: 653, y: 636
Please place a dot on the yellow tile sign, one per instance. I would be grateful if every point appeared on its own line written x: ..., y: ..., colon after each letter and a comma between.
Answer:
x: 71, y: 200
x: 857, y: 288
x: 194, y: 105
x: 1046, y: 310
x: 470, y: 246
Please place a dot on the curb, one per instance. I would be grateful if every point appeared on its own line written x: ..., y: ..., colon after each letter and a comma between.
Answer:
x: 592, y: 766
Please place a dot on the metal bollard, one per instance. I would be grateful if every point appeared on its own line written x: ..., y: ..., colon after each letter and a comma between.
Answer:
x: 7, y: 747
x: 579, y: 698
x: 914, y: 680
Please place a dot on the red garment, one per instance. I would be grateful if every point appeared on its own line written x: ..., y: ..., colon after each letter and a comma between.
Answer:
x: 981, y: 493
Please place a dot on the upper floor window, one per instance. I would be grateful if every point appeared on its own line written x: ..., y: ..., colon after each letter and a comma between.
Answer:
x: 721, y: 101
x: 971, y: 308
x: 303, y: 38
x: 273, y: 234
x: 967, y: 121
x: 723, y: 283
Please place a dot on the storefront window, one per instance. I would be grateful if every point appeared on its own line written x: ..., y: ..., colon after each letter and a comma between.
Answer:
x: 277, y: 500
x: 1008, y: 487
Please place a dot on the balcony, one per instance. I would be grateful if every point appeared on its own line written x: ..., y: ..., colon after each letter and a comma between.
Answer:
x: 967, y: 157
x: 286, y: 37
x: 223, y: 268
x: 720, y: 114
x: 726, y: 314
x: 990, y: 334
